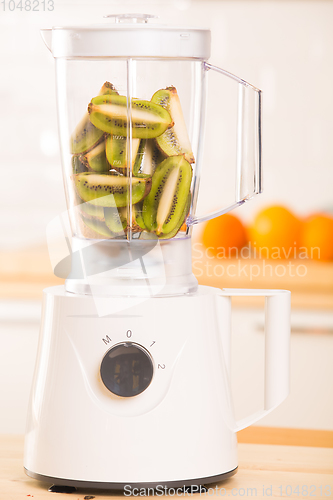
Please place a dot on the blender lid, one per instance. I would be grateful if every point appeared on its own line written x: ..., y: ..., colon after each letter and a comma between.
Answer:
x: 128, y: 35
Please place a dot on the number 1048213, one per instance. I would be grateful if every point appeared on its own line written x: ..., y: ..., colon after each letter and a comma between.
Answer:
x: 27, y: 5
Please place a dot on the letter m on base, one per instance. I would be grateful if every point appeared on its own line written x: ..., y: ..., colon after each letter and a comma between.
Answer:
x: 106, y: 340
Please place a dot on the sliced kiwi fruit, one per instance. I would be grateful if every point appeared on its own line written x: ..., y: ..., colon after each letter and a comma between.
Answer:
x: 148, y: 157
x: 115, y: 219
x: 106, y: 190
x: 88, y: 210
x: 173, y: 233
x: 175, y: 140
x: 96, y: 160
x: 117, y: 153
x: 86, y: 135
x: 98, y: 227
x: 110, y: 113
x: 78, y: 165
x: 108, y: 88
x: 164, y: 205
x: 139, y: 158
x: 138, y: 224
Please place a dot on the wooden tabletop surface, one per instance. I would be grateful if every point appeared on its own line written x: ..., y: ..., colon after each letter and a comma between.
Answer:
x: 274, y: 471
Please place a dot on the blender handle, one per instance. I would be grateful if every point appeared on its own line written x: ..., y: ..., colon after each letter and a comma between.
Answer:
x: 249, y: 146
x: 277, y: 348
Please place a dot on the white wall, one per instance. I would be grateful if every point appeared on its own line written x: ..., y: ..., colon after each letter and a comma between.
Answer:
x: 285, y: 48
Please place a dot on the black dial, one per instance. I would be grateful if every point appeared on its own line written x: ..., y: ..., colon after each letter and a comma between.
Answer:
x: 127, y: 369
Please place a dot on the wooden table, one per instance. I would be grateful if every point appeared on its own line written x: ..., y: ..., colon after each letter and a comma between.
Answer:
x: 282, y: 471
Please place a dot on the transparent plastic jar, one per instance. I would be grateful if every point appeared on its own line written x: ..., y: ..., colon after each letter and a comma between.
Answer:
x: 131, y: 101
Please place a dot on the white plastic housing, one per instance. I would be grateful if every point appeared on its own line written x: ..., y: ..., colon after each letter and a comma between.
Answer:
x: 128, y: 40
x: 174, y: 430
x: 181, y: 427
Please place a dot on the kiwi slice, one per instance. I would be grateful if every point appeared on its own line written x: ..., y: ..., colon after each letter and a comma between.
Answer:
x: 86, y: 135
x: 110, y: 114
x: 175, y: 140
x: 88, y: 210
x: 164, y: 206
x: 110, y: 190
x: 96, y: 160
x: 173, y: 233
x: 108, y: 88
x: 78, y: 165
x: 115, y: 219
x: 148, y: 157
x: 139, y: 157
x: 98, y: 227
x: 116, y: 152
x: 138, y: 224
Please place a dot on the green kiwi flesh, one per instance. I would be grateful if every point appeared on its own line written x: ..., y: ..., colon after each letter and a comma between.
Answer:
x: 98, y: 227
x: 96, y: 160
x: 148, y: 157
x: 86, y: 135
x: 88, y: 210
x: 117, y: 154
x: 78, y: 165
x: 175, y: 140
x: 115, y: 219
x: 173, y: 233
x: 137, y: 217
x: 110, y: 190
x: 109, y: 113
x: 164, y: 206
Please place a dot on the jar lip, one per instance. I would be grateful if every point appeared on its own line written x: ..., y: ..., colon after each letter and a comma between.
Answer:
x: 128, y: 40
x: 132, y: 27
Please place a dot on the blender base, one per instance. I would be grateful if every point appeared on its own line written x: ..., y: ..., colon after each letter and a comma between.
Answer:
x: 81, y: 434
x: 121, y: 486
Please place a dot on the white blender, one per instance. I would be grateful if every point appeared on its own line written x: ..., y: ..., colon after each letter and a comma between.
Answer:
x: 131, y: 343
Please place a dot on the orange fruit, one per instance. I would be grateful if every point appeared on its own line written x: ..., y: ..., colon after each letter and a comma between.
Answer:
x: 275, y: 233
x: 224, y: 235
x: 317, y: 237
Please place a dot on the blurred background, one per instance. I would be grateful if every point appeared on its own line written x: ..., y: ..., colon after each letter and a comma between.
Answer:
x: 283, y: 47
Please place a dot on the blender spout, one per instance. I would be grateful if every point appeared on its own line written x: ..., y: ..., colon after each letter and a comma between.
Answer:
x: 46, y: 35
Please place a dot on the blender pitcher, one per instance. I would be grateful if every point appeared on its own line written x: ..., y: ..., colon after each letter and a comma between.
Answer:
x: 131, y: 103
x: 130, y: 344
